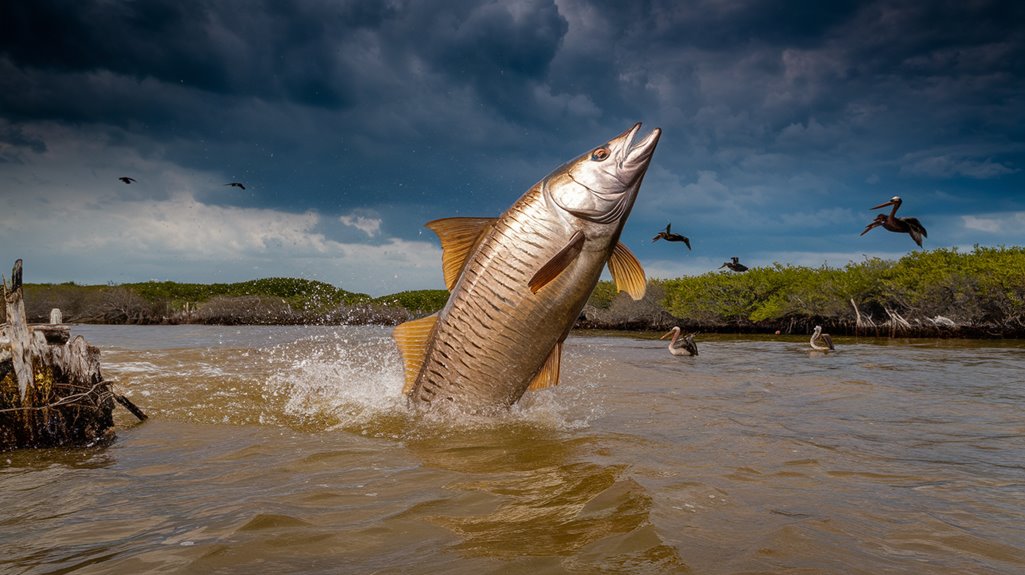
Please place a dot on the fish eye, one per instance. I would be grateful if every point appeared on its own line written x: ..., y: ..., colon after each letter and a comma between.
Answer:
x: 600, y: 154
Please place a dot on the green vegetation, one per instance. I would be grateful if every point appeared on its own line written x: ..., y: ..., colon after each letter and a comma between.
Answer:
x: 271, y: 300
x: 303, y: 294
x: 418, y: 302
x: 981, y: 292
x: 603, y: 295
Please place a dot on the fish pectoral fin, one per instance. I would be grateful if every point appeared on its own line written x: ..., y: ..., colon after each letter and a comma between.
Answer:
x: 559, y: 262
x: 458, y: 236
x: 412, y: 338
x: 627, y: 272
x: 548, y: 376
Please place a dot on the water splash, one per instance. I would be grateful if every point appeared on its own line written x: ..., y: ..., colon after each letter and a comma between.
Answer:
x: 347, y: 378
x: 355, y: 384
x: 341, y: 379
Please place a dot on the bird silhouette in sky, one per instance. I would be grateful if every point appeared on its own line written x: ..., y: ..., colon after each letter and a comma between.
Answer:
x: 235, y: 185
x: 126, y: 179
x: 734, y: 265
x: 671, y: 237
x: 910, y: 226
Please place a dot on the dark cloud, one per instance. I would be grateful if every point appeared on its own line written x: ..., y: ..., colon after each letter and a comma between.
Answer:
x: 413, y: 110
x: 501, y: 49
x: 278, y: 51
x: 713, y: 25
x: 14, y: 142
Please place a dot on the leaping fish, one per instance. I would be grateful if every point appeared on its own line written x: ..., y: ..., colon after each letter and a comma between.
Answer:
x: 518, y: 282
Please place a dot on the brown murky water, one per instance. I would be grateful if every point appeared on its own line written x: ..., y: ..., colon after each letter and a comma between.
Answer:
x: 288, y: 450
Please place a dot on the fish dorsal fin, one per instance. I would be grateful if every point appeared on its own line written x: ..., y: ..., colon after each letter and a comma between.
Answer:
x: 627, y: 272
x: 412, y: 338
x: 549, y: 374
x: 559, y: 262
x: 457, y: 235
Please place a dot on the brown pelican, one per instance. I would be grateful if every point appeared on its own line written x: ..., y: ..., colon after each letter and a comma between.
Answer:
x: 671, y: 237
x: 910, y: 226
x: 686, y: 346
x: 817, y: 335
x: 126, y: 179
x: 734, y: 265
x: 236, y: 185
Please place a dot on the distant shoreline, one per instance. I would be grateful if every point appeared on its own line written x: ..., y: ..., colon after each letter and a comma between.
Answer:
x: 938, y: 293
x: 639, y: 325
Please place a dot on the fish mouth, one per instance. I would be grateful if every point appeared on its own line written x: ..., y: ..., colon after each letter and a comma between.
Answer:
x: 632, y: 159
x: 614, y: 183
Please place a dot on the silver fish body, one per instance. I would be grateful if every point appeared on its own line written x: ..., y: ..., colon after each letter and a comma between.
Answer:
x: 519, y: 282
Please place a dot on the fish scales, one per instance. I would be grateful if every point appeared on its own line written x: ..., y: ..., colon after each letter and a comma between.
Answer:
x: 514, y: 262
x: 519, y: 282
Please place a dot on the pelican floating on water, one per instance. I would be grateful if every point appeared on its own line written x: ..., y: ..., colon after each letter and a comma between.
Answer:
x: 671, y: 237
x: 686, y: 346
x: 816, y: 336
x: 734, y: 265
x: 910, y: 226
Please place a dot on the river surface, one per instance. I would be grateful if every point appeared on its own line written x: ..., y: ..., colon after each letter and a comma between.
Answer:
x: 290, y: 450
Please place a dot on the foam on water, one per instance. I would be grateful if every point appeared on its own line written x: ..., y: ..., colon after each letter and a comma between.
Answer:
x: 353, y: 380
x: 356, y: 382
x: 348, y: 378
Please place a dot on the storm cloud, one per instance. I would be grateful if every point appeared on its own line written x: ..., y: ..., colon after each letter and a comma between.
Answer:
x: 354, y: 122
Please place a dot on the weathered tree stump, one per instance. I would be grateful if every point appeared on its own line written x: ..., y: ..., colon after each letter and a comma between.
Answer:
x: 51, y: 390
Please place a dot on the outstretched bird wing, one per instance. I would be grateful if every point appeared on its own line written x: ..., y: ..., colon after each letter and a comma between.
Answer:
x: 917, y: 230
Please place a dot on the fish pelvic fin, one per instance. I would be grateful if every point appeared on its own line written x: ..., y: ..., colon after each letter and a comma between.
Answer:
x: 559, y: 262
x: 412, y: 338
x: 458, y: 236
x: 627, y: 272
x: 548, y: 376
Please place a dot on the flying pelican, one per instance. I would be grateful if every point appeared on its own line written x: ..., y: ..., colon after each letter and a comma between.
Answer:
x: 734, y: 265
x: 818, y: 335
x: 126, y: 179
x: 671, y: 237
x: 684, y: 347
x: 910, y: 226
x: 235, y: 185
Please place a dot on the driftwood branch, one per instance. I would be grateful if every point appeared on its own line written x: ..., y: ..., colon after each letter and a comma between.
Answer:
x: 896, y: 322
x: 17, y: 332
x: 127, y: 404
x: 51, y: 390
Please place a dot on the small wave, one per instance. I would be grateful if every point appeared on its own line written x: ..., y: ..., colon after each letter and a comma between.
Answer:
x: 134, y: 367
